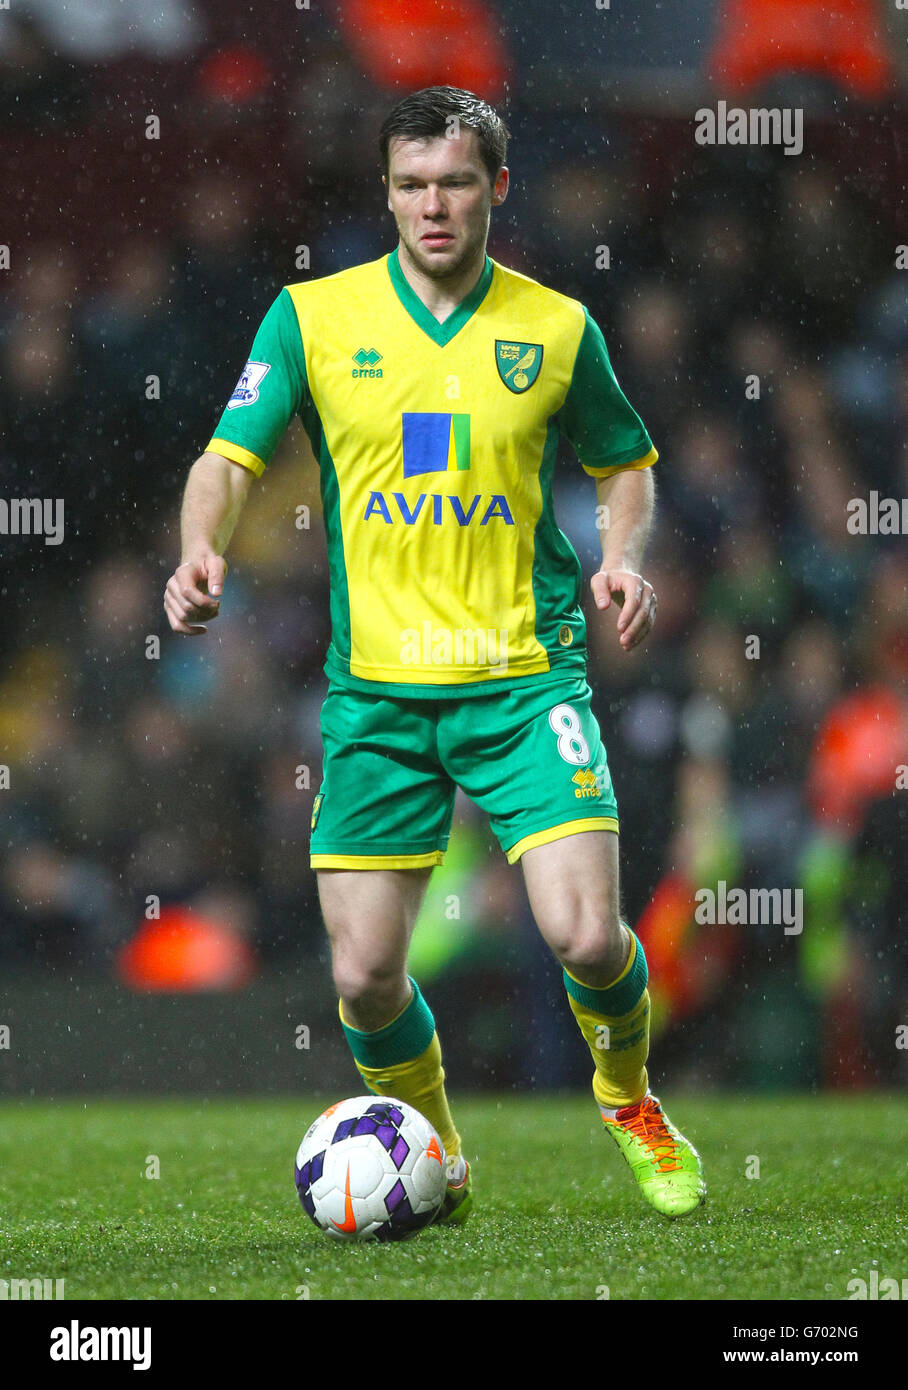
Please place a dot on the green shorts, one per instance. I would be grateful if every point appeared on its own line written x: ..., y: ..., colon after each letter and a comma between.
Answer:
x: 532, y: 759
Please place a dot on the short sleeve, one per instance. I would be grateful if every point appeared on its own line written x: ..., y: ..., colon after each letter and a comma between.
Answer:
x: 596, y: 417
x: 271, y: 390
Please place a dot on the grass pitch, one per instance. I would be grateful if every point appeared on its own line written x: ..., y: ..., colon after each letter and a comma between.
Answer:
x: 557, y: 1216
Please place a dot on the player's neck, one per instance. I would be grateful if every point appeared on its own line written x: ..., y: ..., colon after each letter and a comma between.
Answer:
x: 441, y: 297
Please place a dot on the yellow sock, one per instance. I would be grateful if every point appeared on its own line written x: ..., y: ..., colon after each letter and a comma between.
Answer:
x: 615, y: 1023
x: 421, y: 1083
x: 403, y: 1059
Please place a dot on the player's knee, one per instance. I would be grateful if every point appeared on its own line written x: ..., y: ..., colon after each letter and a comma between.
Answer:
x: 593, y: 947
x: 361, y: 983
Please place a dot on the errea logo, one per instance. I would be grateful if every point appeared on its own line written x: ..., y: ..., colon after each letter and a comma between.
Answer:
x: 367, y: 360
x: 587, y: 783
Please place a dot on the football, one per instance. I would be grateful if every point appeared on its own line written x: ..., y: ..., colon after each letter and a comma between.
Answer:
x: 371, y: 1168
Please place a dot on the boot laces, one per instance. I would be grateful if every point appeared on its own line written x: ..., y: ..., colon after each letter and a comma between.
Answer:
x: 648, y: 1126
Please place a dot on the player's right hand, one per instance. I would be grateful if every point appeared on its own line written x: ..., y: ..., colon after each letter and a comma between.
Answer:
x: 193, y: 594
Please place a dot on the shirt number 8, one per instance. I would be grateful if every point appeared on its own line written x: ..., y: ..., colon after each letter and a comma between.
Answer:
x: 572, y: 746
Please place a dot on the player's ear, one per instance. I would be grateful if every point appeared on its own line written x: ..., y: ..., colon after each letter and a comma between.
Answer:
x: 500, y: 188
x: 384, y: 179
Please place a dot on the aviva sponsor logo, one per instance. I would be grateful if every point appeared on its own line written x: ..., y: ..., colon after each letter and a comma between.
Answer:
x: 431, y: 506
x: 436, y: 442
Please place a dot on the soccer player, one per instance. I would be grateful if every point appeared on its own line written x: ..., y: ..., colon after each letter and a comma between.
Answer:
x: 434, y: 385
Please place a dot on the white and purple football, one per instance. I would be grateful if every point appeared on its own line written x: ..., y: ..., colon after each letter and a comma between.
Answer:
x: 371, y: 1168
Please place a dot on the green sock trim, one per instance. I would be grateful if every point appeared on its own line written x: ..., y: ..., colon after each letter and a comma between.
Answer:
x: 615, y: 1000
x: 401, y: 1040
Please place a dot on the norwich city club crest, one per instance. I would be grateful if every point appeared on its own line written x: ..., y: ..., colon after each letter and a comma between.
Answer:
x: 518, y: 364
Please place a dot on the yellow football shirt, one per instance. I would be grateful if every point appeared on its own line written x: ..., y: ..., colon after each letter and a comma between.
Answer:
x: 436, y: 444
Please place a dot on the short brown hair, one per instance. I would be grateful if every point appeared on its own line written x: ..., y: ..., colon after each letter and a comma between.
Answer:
x: 426, y: 114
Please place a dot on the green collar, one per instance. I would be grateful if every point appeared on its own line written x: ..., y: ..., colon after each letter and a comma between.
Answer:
x: 440, y: 333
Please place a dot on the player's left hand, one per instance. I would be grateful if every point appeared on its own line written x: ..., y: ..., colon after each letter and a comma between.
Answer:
x: 638, y: 606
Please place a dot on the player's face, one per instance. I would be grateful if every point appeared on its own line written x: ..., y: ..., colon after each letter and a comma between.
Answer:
x: 440, y: 195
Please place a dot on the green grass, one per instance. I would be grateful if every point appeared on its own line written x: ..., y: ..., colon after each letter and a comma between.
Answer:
x: 558, y: 1215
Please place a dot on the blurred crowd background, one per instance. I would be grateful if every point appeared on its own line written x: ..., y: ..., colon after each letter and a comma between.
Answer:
x: 179, y: 777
